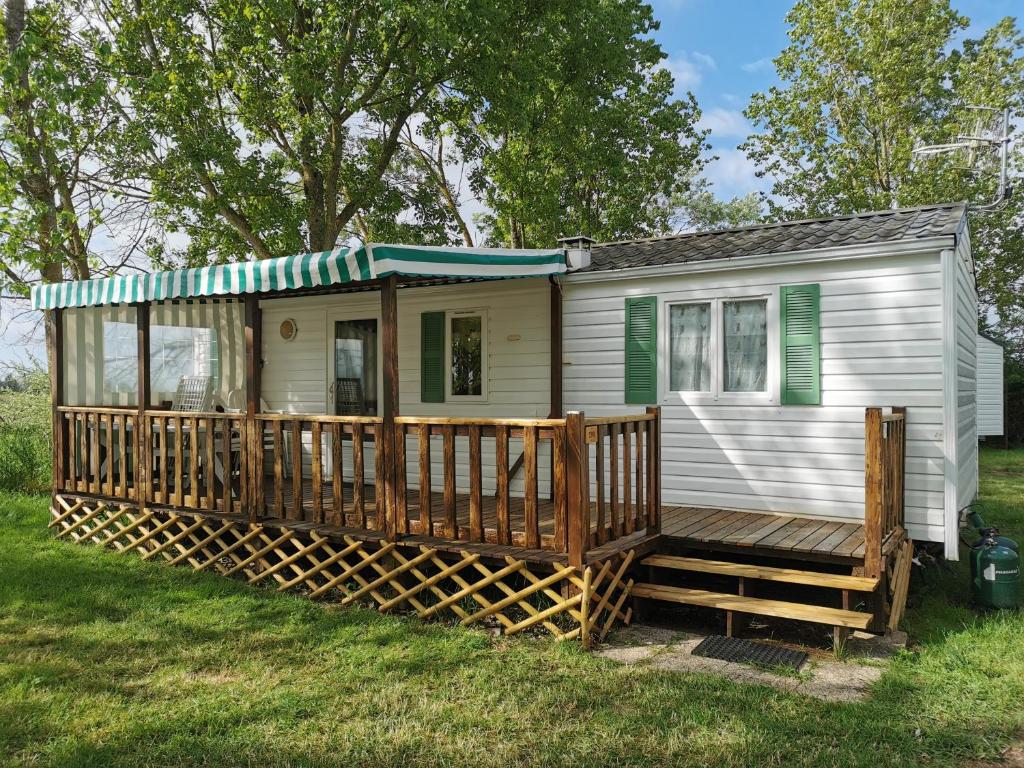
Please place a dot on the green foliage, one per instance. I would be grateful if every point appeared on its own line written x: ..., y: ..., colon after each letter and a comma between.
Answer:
x: 1013, y: 384
x: 25, y: 449
x: 275, y: 128
x: 59, y: 130
x: 697, y: 208
x: 863, y: 83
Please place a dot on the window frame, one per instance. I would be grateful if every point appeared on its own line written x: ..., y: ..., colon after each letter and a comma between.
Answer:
x: 718, y: 394
x: 449, y: 315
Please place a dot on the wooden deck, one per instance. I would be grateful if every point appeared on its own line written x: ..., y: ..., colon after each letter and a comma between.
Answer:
x: 779, y: 535
x: 705, y: 528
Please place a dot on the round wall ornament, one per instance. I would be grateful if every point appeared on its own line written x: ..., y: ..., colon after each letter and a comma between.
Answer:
x: 289, y: 329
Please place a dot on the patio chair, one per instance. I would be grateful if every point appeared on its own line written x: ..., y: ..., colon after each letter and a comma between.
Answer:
x: 193, y: 395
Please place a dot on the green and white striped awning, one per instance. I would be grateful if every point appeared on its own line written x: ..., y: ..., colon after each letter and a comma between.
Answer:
x: 307, y: 270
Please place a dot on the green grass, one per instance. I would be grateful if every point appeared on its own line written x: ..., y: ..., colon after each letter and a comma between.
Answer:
x: 109, y: 661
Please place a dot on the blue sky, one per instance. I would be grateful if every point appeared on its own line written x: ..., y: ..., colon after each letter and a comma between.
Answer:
x: 722, y: 51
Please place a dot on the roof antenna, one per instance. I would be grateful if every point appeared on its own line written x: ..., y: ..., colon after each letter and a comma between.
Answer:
x: 989, y: 136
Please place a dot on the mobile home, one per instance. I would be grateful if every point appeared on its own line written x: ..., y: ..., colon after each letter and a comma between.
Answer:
x: 423, y: 426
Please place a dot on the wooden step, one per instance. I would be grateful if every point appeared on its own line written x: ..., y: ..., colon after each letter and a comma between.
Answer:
x: 778, y: 608
x: 788, y: 575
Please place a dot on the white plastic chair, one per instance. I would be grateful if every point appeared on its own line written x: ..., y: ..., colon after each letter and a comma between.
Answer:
x: 194, y: 394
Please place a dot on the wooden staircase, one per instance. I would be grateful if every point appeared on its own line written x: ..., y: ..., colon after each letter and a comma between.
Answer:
x: 742, y: 603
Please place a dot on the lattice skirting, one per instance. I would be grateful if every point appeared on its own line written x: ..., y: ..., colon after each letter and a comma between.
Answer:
x: 514, y: 596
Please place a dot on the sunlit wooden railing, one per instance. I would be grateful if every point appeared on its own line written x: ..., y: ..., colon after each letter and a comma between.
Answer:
x: 96, y: 451
x: 885, y: 444
x: 472, y: 498
x: 584, y: 481
x: 315, y: 468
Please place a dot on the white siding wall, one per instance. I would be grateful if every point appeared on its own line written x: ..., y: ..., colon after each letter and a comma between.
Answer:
x: 295, y: 373
x: 990, y: 387
x: 881, y: 332
x: 966, y: 382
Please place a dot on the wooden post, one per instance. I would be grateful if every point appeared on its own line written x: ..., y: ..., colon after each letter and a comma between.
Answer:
x: 654, y: 471
x: 901, y: 469
x: 556, y: 350
x: 143, y: 468
x: 873, y: 492
x: 389, y: 401
x: 251, y: 437
x: 577, y: 488
x: 557, y: 404
x: 55, y: 362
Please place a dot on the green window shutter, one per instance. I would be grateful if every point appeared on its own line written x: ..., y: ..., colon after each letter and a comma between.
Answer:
x: 801, y: 344
x: 432, y: 357
x: 642, y: 350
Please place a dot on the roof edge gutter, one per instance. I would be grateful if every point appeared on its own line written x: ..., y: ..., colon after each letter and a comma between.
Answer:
x: 860, y: 251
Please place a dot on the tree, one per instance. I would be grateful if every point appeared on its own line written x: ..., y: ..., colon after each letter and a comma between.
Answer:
x: 270, y: 128
x: 596, y: 144
x: 698, y: 209
x: 58, y: 194
x: 864, y: 81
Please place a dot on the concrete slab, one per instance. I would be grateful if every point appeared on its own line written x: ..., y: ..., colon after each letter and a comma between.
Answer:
x: 822, y: 677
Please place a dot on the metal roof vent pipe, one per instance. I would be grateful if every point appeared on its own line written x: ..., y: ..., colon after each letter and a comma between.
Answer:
x: 577, y: 251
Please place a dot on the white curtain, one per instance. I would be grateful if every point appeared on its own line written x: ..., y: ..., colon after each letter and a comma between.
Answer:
x: 690, y: 351
x: 100, y: 356
x: 746, y: 345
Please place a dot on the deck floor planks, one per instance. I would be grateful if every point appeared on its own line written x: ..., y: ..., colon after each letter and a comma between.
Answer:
x: 705, y: 525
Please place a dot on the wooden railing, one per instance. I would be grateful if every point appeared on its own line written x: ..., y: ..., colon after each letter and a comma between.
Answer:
x: 885, y: 440
x: 468, y: 451
x: 305, y: 474
x: 584, y: 482
x: 195, y: 460
x: 96, y: 451
x: 614, y: 473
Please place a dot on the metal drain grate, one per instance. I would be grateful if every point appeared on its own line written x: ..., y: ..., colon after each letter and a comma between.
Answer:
x: 749, y: 652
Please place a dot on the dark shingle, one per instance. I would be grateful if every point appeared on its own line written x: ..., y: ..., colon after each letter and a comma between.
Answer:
x: 784, y: 237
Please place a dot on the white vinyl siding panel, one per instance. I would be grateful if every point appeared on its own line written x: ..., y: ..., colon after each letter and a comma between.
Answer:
x: 518, y: 349
x: 966, y: 383
x: 881, y: 334
x: 990, y: 387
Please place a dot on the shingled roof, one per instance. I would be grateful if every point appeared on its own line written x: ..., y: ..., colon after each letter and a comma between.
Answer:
x: 784, y: 237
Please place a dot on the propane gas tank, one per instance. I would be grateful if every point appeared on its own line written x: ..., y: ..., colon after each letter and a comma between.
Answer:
x: 996, y: 570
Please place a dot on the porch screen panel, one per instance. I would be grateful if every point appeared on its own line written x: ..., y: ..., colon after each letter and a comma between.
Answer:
x: 204, y: 337
x: 101, y: 364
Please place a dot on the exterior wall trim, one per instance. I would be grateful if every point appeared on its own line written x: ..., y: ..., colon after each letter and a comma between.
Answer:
x: 865, y: 251
x: 951, y: 518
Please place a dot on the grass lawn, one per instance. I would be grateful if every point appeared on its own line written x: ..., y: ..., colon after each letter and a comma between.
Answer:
x: 109, y: 661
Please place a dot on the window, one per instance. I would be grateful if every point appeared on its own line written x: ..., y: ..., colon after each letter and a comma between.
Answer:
x: 690, y: 348
x: 745, y: 348
x: 120, y: 357
x: 720, y: 349
x: 177, y: 351
x: 466, y: 354
x: 355, y: 367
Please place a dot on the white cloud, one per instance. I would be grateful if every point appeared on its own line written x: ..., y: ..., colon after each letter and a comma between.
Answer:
x: 757, y: 66
x: 687, y: 69
x: 706, y: 60
x: 725, y: 122
x: 733, y: 175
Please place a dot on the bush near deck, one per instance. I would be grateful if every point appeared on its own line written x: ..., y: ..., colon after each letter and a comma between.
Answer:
x: 109, y: 661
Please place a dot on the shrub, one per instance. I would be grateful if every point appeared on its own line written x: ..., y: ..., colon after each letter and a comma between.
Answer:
x: 25, y: 453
